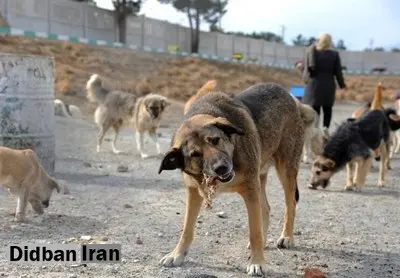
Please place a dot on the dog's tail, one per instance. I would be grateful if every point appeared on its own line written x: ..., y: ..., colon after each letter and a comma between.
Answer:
x: 377, y: 101
x: 307, y: 114
x: 206, y: 88
x: 95, y: 91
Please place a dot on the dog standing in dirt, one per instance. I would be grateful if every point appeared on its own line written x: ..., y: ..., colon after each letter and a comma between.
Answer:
x: 227, y: 144
x: 354, y: 143
x: 24, y: 176
x: 117, y: 108
x: 147, y: 117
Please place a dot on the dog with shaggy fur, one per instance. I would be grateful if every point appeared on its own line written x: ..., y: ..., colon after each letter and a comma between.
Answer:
x: 117, y: 108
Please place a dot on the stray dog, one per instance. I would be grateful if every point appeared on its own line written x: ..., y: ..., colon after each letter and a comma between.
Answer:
x: 353, y: 142
x: 66, y: 110
x: 396, y: 137
x: 391, y: 116
x: 227, y: 143
x: 206, y: 88
x: 24, y: 176
x: 147, y: 117
x: 114, y: 109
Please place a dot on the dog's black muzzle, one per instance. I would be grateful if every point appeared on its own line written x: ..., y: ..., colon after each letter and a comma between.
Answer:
x: 323, y: 183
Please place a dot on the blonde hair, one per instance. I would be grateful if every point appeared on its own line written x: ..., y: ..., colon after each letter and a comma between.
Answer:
x: 324, y: 42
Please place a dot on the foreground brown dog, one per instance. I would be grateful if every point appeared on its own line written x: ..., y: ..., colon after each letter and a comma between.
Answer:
x: 24, y: 176
x: 228, y: 144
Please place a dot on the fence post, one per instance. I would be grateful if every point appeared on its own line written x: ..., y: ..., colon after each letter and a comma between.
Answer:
x: 142, y: 30
x: 84, y: 17
x: 262, y: 51
x: 48, y: 16
x: 275, y: 43
x: 233, y: 44
x: 216, y: 43
x: 248, y: 48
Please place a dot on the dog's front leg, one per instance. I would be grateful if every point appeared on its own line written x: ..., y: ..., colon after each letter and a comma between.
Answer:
x: 252, y: 200
x: 383, y: 164
x: 140, y: 144
x: 153, y: 135
x: 362, y: 168
x: 21, y: 206
x: 193, y: 205
x: 350, y: 178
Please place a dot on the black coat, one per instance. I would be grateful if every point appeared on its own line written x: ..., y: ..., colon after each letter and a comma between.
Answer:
x: 320, y: 69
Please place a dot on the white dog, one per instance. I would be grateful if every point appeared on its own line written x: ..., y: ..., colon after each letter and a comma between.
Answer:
x: 66, y: 110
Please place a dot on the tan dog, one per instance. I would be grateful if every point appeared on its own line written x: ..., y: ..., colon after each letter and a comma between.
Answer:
x: 23, y: 175
x: 227, y: 144
x: 147, y: 117
x: 209, y: 86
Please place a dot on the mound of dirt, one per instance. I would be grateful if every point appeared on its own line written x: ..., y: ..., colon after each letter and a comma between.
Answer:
x: 177, y: 78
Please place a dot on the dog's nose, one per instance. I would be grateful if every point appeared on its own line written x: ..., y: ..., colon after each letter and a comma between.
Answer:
x: 45, y: 203
x: 221, y: 170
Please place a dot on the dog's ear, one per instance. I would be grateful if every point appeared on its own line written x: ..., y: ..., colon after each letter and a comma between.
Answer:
x: 172, y: 160
x: 54, y: 185
x: 227, y: 127
x: 165, y: 102
x: 329, y: 163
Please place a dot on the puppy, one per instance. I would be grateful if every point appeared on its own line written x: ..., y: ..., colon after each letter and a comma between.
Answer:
x: 147, y: 117
x: 66, y: 110
x: 24, y: 176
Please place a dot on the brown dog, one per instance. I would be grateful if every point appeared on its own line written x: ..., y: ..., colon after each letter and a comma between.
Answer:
x: 206, y: 88
x: 227, y: 144
x: 24, y: 176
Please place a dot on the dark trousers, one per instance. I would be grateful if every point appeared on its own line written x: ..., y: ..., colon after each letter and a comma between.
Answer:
x: 327, y: 114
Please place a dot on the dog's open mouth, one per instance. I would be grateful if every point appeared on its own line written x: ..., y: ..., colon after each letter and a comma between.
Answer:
x: 211, y: 180
x: 210, y: 186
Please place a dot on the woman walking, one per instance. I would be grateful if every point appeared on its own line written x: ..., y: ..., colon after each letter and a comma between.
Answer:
x: 322, y: 66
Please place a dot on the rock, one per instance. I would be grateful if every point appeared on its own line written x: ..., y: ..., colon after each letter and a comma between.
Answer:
x: 297, y: 233
x: 86, y: 238
x: 122, y: 168
x: 114, y: 270
x: 136, y: 260
x: 221, y: 214
x: 87, y: 164
x: 44, y: 267
x: 127, y: 206
x: 139, y: 240
x: 72, y: 276
x: 123, y: 260
x: 314, y: 273
x: 160, y: 235
x: 103, y: 238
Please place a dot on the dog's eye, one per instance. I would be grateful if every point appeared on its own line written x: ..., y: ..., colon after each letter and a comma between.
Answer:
x: 195, y: 154
x: 324, y: 169
x: 213, y: 140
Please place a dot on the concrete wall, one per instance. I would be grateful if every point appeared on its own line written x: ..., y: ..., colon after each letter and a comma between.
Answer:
x: 65, y: 17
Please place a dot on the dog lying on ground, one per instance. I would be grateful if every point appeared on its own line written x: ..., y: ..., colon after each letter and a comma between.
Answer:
x: 24, y: 176
x: 228, y: 143
x: 354, y: 142
x: 116, y: 109
x: 147, y: 117
x: 66, y: 110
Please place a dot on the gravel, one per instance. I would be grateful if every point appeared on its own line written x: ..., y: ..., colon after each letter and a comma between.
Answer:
x: 344, y: 234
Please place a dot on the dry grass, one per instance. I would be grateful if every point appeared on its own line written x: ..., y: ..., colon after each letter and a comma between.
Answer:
x: 176, y: 78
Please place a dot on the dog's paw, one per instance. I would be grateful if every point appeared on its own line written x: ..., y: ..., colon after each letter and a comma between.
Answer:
x: 256, y: 269
x: 144, y: 155
x: 19, y: 217
x: 115, y: 151
x: 310, y: 186
x: 349, y: 187
x: 172, y: 259
x: 381, y: 184
x: 98, y: 149
x: 285, y: 242
x: 357, y: 189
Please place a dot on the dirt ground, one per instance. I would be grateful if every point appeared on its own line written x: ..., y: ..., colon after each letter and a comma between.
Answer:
x: 343, y: 234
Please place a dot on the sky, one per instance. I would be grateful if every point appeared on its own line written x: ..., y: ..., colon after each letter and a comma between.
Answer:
x: 358, y: 22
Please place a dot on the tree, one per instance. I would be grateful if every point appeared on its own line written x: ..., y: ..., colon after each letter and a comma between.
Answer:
x: 380, y: 49
x: 340, y: 45
x: 123, y: 8
x: 311, y: 40
x: 300, y: 40
x: 210, y: 11
x: 395, y: 49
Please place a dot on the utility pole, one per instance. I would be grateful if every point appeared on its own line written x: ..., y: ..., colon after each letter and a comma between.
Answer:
x: 283, y: 29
